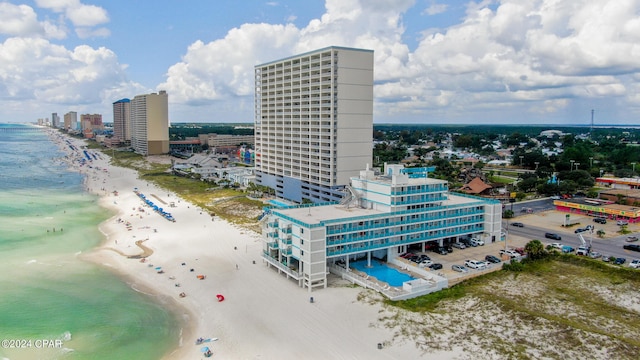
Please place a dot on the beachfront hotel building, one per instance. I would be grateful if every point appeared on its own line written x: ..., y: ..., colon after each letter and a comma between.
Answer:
x: 71, y: 121
x: 150, y: 123
x: 385, y: 215
x: 122, y: 120
x: 313, y: 122
x: 55, y: 120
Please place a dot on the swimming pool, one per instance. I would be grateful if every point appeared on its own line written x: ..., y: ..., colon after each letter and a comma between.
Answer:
x: 279, y: 204
x: 382, y: 272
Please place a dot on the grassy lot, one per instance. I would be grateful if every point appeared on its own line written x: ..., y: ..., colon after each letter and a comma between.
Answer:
x: 502, y: 180
x: 567, y: 307
x: 227, y: 203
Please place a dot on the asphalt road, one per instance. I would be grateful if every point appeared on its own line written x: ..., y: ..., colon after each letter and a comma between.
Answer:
x: 609, y: 246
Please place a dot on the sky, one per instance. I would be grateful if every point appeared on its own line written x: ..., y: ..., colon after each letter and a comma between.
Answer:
x: 436, y: 61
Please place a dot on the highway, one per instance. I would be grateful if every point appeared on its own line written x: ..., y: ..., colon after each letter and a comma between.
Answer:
x: 609, y: 246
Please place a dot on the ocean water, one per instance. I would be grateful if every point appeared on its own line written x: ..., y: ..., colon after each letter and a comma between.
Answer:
x: 60, y: 306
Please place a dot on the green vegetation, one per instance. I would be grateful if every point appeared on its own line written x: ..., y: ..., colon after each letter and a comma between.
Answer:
x: 224, y: 202
x: 430, y: 302
x: 581, y: 303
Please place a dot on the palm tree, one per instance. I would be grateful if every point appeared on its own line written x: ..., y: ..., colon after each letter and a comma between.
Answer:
x: 535, y: 250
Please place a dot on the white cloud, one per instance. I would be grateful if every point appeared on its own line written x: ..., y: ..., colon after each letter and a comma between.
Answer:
x: 21, y: 20
x: 86, y: 32
x: 505, y: 58
x: 87, y: 15
x: 37, y: 73
x: 224, y: 68
x: 435, y: 9
x: 79, y: 14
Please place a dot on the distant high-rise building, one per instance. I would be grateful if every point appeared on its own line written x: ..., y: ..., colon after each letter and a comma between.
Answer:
x: 314, y: 122
x: 89, y: 123
x: 122, y: 120
x: 55, y: 120
x: 71, y: 121
x: 150, y: 123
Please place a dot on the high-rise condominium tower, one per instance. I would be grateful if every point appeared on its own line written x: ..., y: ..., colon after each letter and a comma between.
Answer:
x: 150, y: 123
x: 314, y: 122
x: 122, y: 120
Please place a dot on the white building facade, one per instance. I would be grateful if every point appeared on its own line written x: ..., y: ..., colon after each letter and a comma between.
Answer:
x: 385, y: 214
x: 313, y: 122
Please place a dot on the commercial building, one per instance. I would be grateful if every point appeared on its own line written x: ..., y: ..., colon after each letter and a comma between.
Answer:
x: 224, y: 140
x: 122, y: 121
x: 601, y: 208
x: 384, y: 216
x: 150, y: 123
x: 313, y: 122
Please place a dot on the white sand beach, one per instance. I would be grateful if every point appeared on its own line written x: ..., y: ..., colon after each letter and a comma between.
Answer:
x: 263, y: 314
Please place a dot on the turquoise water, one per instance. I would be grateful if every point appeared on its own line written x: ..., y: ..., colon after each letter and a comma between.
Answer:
x: 46, y: 291
x: 279, y: 204
x: 382, y: 272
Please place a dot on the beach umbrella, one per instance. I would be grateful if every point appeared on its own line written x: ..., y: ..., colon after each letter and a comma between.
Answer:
x: 205, y: 349
x: 159, y: 268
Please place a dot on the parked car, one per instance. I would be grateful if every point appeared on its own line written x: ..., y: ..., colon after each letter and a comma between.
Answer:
x: 459, y: 268
x: 441, y: 250
x: 520, y: 251
x: 459, y: 245
x: 631, y: 239
x: 510, y: 253
x: 553, y: 236
x: 632, y: 247
x: 517, y: 224
x: 475, y: 264
x: 619, y: 261
x: 477, y: 241
x: 635, y: 264
x: 492, y: 259
x: 425, y: 263
x: 595, y: 255
x: 622, y: 222
x: 556, y: 246
x: 600, y: 220
x: 470, y: 243
x: 586, y: 228
x: 567, y: 249
x: 436, y: 266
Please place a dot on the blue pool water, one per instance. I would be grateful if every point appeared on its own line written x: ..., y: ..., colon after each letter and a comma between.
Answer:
x: 279, y: 204
x: 382, y: 272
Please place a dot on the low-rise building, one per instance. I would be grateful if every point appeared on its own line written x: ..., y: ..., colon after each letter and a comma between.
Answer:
x: 380, y: 217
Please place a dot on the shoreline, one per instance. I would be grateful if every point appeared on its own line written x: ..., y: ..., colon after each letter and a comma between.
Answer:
x: 108, y: 256
x: 264, y: 315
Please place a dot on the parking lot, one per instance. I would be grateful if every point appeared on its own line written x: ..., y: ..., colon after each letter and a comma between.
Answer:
x: 550, y: 220
x: 459, y: 256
